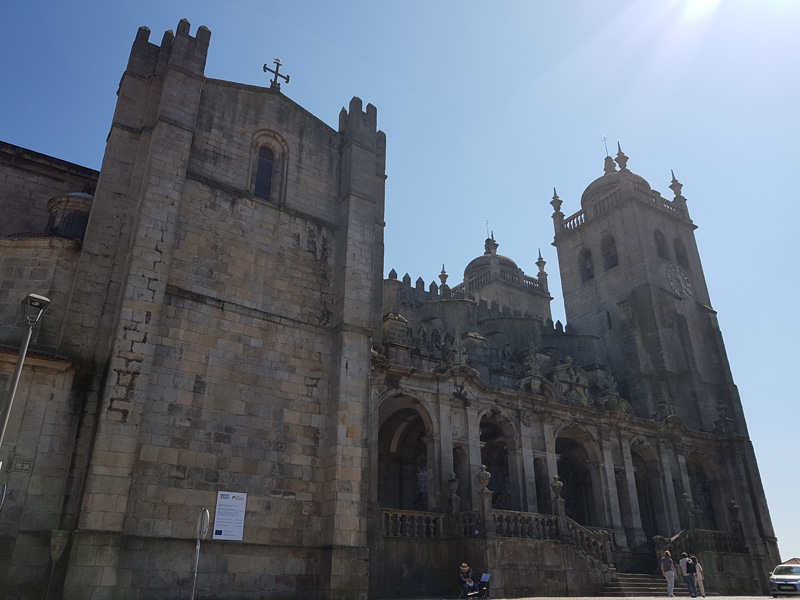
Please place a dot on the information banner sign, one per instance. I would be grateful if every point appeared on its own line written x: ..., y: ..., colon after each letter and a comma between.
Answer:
x: 229, y: 516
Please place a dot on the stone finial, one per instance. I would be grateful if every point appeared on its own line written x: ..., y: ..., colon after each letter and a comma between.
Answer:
x: 392, y: 274
x: 541, y: 262
x: 621, y: 159
x: 676, y: 186
x: 557, y: 486
x: 609, y: 166
x: 443, y: 275
x: 556, y: 202
x: 490, y: 245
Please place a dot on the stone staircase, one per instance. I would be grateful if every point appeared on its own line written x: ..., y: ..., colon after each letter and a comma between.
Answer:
x: 636, y: 584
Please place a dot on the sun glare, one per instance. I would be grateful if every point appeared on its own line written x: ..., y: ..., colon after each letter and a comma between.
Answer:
x: 698, y: 9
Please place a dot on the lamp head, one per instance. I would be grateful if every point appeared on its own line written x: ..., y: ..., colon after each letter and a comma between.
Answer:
x: 33, y: 307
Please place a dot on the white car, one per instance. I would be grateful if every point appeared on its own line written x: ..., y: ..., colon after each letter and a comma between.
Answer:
x: 785, y: 580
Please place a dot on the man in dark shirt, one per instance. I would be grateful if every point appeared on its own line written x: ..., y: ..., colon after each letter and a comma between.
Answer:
x: 468, y: 585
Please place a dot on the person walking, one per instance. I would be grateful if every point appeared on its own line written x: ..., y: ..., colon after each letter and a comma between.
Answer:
x: 699, y: 576
x: 688, y: 571
x: 668, y: 571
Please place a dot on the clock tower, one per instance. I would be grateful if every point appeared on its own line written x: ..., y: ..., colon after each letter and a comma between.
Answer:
x: 631, y: 275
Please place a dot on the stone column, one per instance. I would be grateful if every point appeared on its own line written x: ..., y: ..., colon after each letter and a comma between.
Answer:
x: 633, y: 498
x: 528, y: 474
x: 436, y: 492
x: 445, y: 443
x: 487, y: 512
x: 516, y: 475
x: 475, y: 460
x: 550, y: 448
x: 671, y: 524
x: 687, y: 484
x: 613, y: 517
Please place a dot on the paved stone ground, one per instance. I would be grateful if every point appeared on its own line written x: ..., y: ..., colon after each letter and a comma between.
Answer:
x: 712, y: 597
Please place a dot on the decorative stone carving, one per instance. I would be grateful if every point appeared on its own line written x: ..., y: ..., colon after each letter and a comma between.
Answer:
x: 533, y: 364
x: 686, y: 508
x: 557, y: 486
x: 483, y: 476
x: 608, y: 385
x: 733, y: 510
x: 452, y: 483
x: 724, y: 425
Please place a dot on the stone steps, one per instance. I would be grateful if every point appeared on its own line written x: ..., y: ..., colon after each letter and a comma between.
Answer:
x: 639, y: 585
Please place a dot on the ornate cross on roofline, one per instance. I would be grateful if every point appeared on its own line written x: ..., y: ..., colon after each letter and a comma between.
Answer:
x: 275, y: 84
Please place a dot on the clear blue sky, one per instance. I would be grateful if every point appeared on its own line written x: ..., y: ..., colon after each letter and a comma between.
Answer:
x: 487, y: 107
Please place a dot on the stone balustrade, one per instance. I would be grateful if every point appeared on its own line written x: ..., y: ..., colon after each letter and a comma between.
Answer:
x: 412, y: 524
x: 535, y: 526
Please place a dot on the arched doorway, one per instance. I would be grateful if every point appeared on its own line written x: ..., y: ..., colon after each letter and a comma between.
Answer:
x: 405, y: 463
x: 577, y: 469
x: 498, y: 453
x: 648, y: 494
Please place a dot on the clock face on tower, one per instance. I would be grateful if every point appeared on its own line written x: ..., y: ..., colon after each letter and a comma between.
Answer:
x: 679, y: 281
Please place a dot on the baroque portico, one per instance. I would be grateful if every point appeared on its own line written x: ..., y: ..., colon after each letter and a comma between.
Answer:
x: 476, y: 382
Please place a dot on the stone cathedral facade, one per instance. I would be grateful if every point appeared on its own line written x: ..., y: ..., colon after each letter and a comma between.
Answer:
x: 220, y: 322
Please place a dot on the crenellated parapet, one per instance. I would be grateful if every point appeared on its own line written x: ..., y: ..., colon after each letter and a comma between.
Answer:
x: 361, y: 127
x: 177, y: 49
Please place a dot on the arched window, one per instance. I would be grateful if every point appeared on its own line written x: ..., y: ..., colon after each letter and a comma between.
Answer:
x: 661, y: 245
x: 609, y: 249
x: 586, y: 265
x: 680, y: 253
x: 268, y: 170
x: 266, y: 160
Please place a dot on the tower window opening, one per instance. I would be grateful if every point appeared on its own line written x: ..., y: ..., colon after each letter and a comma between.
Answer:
x: 609, y: 249
x: 586, y: 265
x: 608, y: 320
x: 266, y: 160
x: 680, y: 253
x: 661, y: 245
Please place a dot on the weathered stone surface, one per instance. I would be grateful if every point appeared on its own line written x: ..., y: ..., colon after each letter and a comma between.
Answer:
x: 206, y: 338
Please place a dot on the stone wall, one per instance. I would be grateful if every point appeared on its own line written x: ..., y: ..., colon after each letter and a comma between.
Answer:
x: 28, y: 180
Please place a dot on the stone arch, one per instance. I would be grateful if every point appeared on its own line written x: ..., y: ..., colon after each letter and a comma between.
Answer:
x: 578, y: 465
x: 275, y: 144
x: 649, y: 497
x: 680, y: 253
x: 661, y: 244
x: 608, y: 248
x: 407, y: 478
x: 501, y: 453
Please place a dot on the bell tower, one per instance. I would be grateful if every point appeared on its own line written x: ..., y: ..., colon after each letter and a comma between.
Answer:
x: 631, y: 275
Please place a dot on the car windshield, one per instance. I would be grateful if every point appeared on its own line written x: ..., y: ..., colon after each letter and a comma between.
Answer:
x: 787, y: 570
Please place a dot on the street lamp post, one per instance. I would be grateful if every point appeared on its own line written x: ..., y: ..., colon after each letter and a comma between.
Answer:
x: 33, y: 307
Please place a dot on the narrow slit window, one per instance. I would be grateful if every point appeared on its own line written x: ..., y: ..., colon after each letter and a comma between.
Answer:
x: 266, y: 161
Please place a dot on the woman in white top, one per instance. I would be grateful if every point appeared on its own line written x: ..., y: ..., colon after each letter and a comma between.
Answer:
x: 699, y: 576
